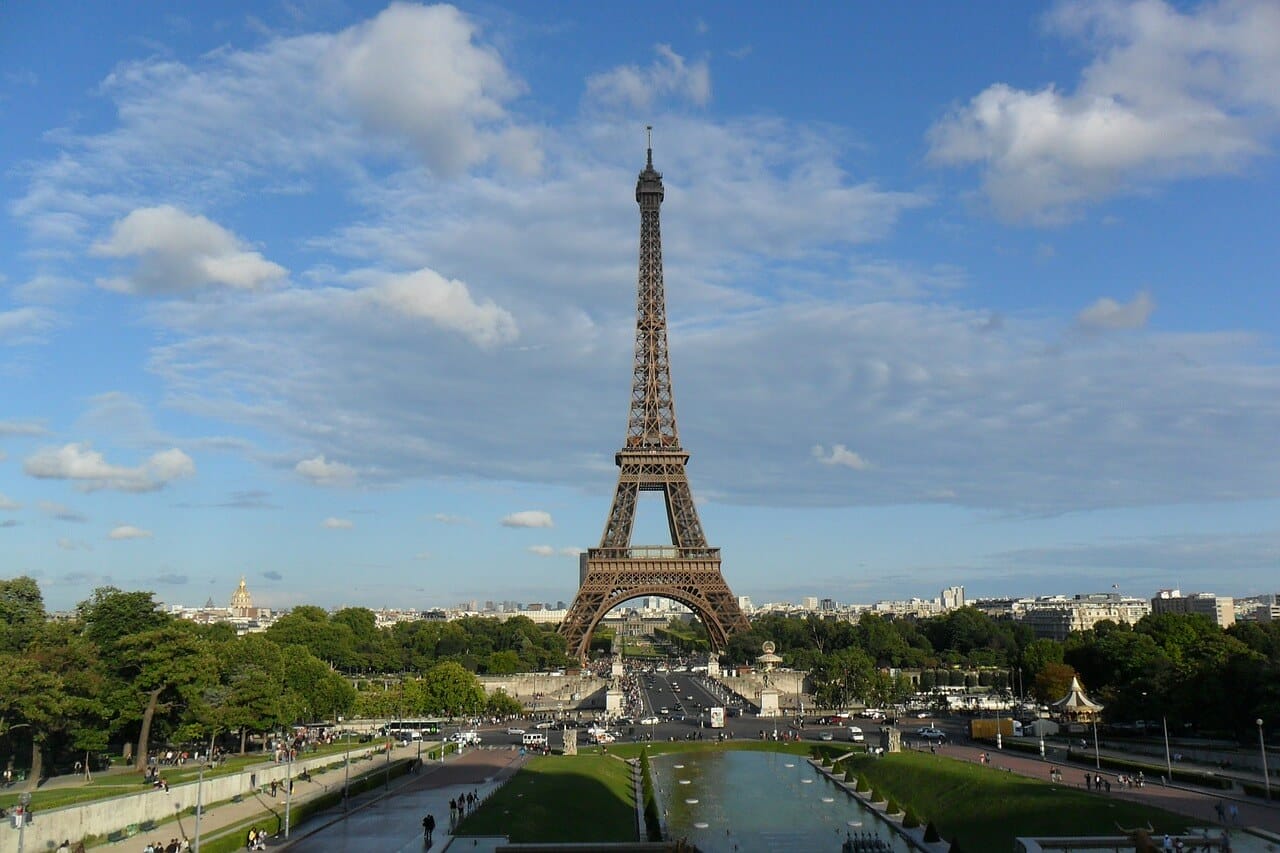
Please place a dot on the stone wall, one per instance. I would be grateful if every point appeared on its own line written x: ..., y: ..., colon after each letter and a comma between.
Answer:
x: 539, y: 690
x: 102, y: 817
x: 789, y: 684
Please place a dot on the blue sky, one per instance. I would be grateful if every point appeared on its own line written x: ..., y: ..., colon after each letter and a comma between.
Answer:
x: 340, y: 296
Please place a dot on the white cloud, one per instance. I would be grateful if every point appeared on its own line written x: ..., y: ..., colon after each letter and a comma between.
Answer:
x: 1107, y: 314
x: 630, y: 87
x: 1168, y: 94
x: 572, y: 552
x: 92, y: 472
x: 528, y: 518
x: 22, y: 326
x: 22, y: 428
x: 325, y: 473
x: 128, y: 531
x: 7, y: 504
x: 417, y: 72
x: 542, y: 550
x: 839, y: 455
x: 61, y: 512
x: 427, y: 295
x: 179, y: 253
x: 337, y: 523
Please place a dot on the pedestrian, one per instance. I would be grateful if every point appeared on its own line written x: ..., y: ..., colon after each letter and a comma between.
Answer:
x: 1221, y: 811
x: 1088, y: 781
x: 1235, y: 813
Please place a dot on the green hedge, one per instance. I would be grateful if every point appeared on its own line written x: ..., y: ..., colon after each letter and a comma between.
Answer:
x: 652, y: 826
x: 1153, y: 772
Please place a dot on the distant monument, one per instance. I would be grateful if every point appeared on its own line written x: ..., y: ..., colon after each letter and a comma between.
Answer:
x: 242, y: 603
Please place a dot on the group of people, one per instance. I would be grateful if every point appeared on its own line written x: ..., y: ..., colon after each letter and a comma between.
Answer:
x: 153, y: 778
x: 459, y: 807
x: 65, y: 847
x: 256, y: 840
x: 174, y: 846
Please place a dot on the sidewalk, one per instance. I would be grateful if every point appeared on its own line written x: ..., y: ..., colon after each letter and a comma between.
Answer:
x: 1196, y: 803
x: 221, y: 817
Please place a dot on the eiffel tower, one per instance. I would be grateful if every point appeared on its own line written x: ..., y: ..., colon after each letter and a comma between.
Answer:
x: 688, y: 571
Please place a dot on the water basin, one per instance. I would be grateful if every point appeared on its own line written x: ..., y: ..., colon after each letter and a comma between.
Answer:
x: 752, y: 801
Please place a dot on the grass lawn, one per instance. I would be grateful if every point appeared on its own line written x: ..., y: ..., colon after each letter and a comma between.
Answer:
x: 569, y: 798
x: 987, y: 808
x: 105, y: 785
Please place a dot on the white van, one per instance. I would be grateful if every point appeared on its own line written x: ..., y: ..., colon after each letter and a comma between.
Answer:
x: 534, y: 739
x: 855, y: 734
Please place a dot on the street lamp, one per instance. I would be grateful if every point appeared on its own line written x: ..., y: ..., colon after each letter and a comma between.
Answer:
x: 346, y: 776
x: 199, y: 804
x: 23, y: 815
x: 288, y: 791
x: 1262, y: 747
x: 1097, y: 759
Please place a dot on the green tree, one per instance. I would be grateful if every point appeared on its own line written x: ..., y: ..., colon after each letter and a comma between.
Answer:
x: 452, y: 690
x: 314, y: 690
x: 161, y: 669
x: 1052, y: 682
x: 253, y: 688
x: 111, y: 614
x: 31, y: 698
x: 21, y: 612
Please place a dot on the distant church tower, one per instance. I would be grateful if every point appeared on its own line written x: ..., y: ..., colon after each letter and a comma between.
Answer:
x: 242, y: 602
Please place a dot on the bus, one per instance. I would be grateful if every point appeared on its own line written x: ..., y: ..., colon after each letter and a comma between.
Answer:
x: 412, y: 729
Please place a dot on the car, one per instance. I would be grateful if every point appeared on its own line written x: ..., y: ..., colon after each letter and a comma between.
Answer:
x: 515, y: 731
x: 931, y: 733
x: 545, y: 724
x: 826, y: 736
x: 923, y: 715
x: 855, y: 734
x: 649, y: 721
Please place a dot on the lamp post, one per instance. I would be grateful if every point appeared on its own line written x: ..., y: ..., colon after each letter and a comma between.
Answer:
x: 1097, y: 759
x: 346, y: 776
x: 24, y: 806
x: 288, y: 792
x: 199, y: 805
x: 1164, y: 724
x: 1262, y: 747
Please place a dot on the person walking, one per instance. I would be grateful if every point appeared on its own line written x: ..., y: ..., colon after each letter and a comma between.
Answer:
x: 428, y: 826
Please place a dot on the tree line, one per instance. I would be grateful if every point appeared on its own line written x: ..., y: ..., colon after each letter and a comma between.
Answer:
x: 1181, y: 667
x: 123, y: 674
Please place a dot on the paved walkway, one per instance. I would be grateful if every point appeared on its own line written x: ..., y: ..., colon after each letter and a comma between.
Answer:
x: 1196, y: 803
x: 218, y: 818
x: 394, y: 822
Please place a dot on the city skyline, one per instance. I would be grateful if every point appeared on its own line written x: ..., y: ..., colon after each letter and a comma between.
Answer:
x: 341, y: 298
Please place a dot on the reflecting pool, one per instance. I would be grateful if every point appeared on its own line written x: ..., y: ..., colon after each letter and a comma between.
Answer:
x: 738, y: 800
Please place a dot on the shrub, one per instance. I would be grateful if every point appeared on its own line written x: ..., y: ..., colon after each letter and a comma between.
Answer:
x: 862, y: 786
x: 931, y: 833
x: 876, y: 796
x: 850, y: 776
x: 955, y: 846
x: 909, y: 819
x: 892, y: 807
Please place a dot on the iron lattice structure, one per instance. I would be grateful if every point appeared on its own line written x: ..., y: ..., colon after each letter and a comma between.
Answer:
x: 688, y: 570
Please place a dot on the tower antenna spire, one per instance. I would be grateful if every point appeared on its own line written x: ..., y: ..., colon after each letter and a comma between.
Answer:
x: 648, y: 129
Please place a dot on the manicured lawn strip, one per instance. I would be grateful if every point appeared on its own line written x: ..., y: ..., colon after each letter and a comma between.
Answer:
x: 561, y: 798
x: 662, y: 747
x: 105, y: 785
x: 987, y: 808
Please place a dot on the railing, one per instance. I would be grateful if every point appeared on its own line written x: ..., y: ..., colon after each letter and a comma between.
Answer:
x: 653, y: 552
